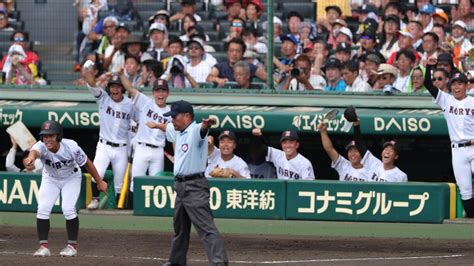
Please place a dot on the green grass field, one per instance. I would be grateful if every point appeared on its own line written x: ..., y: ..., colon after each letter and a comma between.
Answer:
x: 264, y: 227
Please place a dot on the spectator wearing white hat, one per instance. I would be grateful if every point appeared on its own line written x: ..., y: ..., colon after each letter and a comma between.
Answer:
x: 344, y: 34
x: 277, y: 29
x: 405, y: 41
x: 387, y: 74
x: 463, y: 12
x: 158, y: 35
x: 197, y: 68
x: 458, y: 39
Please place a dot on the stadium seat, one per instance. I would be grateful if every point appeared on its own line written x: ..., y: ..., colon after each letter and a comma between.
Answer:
x: 176, y: 6
x: 219, y: 46
x: 5, y: 36
x: 206, y: 85
x: 147, y: 6
x: 220, y: 56
x: 17, y: 25
x: 207, y: 25
x: 213, y: 35
x: 305, y: 9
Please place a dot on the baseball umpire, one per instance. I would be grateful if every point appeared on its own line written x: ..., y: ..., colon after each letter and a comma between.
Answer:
x: 62, y: 160
x: 458, y: 110
x: 192, y: 189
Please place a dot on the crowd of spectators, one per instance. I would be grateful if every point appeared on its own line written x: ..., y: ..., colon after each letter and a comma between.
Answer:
x: 20, y: 65
x: 381, y: 46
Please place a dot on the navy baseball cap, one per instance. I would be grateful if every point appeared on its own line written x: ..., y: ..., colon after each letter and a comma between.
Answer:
x: 160, y: 84
x: 391, y: 143
x: 350, y: 145
x: 289, y: 134
x: 459, y: 77
x: 180, y: 107
x: 332, y: 63
x: 228, y: 134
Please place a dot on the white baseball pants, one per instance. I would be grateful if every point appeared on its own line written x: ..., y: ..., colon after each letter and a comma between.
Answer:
x: 105, y: 155
x: 463, y: 166
x: 147, y: 158
x: 49, y: 191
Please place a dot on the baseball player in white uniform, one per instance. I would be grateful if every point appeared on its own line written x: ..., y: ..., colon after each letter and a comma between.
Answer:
x: 288, y: 162
x: 62, y: 159
x: 10, y: 161
x: 115, y: 112
x: 149, y: 153
x: 458, y: 110
x: 380, y: 170
x: 224, y: 157
x: 348, y: 170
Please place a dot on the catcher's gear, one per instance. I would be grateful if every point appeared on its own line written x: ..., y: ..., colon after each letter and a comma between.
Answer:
x: 221, y: 172
x: 350, y: 114
x: 51, y: 127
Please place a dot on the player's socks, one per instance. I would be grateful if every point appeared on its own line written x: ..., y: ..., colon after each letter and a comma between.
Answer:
x: 95, y: 190
x: 469, y: 207
x: 72, y: 243
x: 44, y: 243
x: 72, y: 227
x: 42, y: 227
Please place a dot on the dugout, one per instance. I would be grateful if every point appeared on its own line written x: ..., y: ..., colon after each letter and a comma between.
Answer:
x: 413, y: 120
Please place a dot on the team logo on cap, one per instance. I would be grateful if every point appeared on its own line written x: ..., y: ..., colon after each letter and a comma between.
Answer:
x: 184, y: 147
x: 47, y: 125
x: 226, y: 132
x: 287, y: 133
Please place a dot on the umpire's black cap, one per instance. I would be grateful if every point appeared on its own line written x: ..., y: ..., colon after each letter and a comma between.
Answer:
x: 180, y: 107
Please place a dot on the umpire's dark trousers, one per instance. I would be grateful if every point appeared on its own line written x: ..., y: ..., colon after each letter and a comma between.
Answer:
x: 192, y: 206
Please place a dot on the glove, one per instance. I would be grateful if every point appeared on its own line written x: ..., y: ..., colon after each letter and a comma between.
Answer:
x: 221, y: 172
x: 350, y: 114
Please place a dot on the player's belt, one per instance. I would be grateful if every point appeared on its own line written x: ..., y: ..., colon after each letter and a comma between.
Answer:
x: 184, y: 178
x: 111, y: 143
x: 460, y: 145
x: 148, y: 145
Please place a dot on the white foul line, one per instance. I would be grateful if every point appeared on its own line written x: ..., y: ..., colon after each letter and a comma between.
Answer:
x: 266, y: 262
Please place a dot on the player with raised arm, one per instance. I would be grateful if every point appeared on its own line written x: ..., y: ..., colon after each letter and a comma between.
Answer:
x: 350, y: 169
x: 222, y: 161
x: 288, y: 162
x: 149, y: 152
x: 458, y: 110
x: 380, y: 170
x: 115, y: 112
x: 62, y: 159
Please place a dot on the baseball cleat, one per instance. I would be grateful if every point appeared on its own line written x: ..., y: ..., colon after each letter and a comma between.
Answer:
x: 94, y: 204
x: 42, y: 252
x: 68, y: 251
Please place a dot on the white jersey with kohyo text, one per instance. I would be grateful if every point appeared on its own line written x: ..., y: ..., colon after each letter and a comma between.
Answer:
x: 63, y: 164
x: 298, y: 168
x: 347, y: 172
x: 114, y: 116
x: 379, y: 174
x: 459, y: 116
x: 150, y: 112
x: 236, y: 163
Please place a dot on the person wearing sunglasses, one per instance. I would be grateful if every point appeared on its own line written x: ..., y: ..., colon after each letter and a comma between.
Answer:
x: 237, y: 26
x: 368, y: 42
x: 387, y: 74
x: 197, y: 68
x: 441, y: 79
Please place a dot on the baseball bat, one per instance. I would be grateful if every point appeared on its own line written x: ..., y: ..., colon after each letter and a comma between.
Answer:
x: 124, y: 190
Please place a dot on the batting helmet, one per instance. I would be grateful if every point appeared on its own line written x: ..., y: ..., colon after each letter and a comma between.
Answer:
x: 51, y: 127
x: 114, y: 79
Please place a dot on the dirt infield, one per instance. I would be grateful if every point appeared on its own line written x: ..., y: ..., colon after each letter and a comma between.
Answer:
x: 109, y: 247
